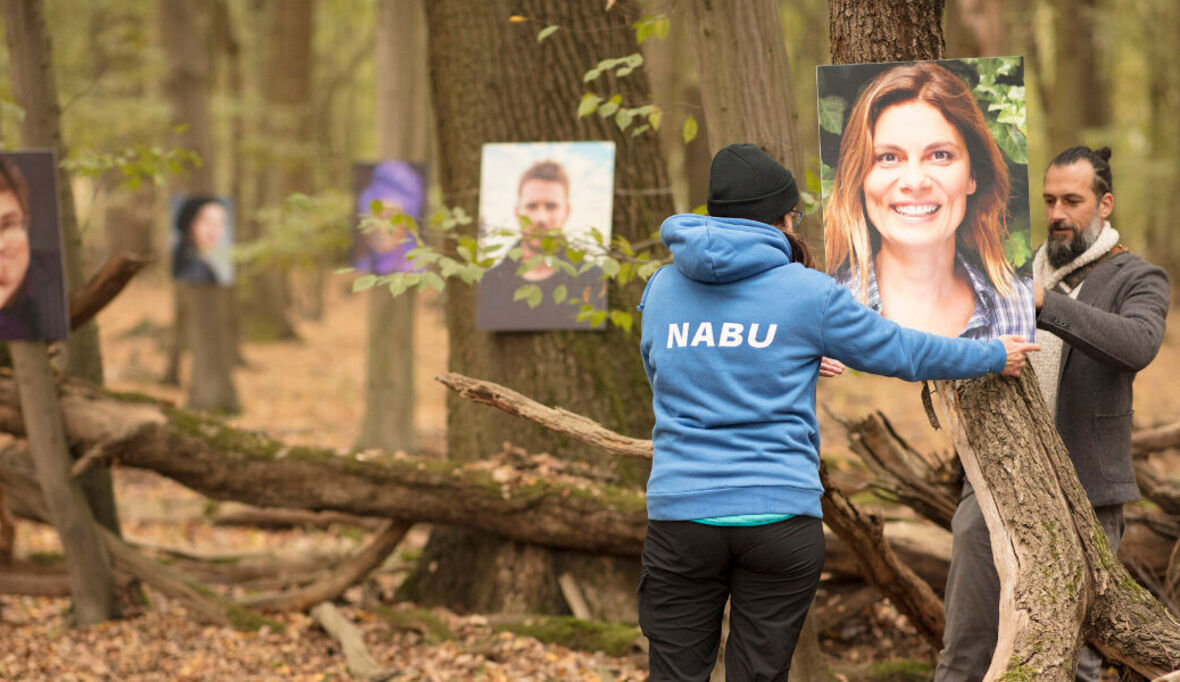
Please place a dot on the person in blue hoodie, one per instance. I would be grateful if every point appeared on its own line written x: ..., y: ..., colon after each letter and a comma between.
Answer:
x: 733, y: 336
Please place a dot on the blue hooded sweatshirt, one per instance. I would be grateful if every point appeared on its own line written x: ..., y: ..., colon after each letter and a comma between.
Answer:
x: 732, y: 338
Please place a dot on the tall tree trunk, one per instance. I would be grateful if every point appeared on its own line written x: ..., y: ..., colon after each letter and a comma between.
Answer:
x: 1079, y: 89
x: 34, y: 86
x: 202, y: 311
x: 403, y: 133
x: 976, y: 28
x: 492, y: 81
x: 745, y: 82
x: 266, y: 296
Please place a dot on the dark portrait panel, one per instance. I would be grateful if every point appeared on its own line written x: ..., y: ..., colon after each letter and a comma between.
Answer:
x: 202, y: 239
x: 544, y: 218
x: 924, y: 169
x: 382, y: 240
x: 32, y: 288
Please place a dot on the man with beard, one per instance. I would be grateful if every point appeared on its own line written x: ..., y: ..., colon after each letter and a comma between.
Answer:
x: 542, y: 209
x: 1100, y: 312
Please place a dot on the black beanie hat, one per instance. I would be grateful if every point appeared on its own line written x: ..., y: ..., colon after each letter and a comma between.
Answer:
x: 744, y: 182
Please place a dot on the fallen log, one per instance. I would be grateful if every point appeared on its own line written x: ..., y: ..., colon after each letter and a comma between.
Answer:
x: 17, y: 477
x: 1156, y: 438
x: 284, y: 519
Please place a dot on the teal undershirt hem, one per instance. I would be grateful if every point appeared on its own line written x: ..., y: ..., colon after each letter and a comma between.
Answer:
x: 744, y: 519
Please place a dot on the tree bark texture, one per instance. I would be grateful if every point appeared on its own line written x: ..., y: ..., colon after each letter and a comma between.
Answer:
x: 202, y: 322
x: 885, y: 31
x: 92, y: 581
x: 493, y: 82
x: 745, y: 79
x: 1060, y: 583
x: 403, y: 133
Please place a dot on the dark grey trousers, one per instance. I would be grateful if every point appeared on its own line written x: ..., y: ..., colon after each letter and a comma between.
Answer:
x: 973, y: 597
x: 769, y: 573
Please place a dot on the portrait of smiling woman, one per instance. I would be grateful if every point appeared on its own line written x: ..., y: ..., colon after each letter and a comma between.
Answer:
x: 916, y: 222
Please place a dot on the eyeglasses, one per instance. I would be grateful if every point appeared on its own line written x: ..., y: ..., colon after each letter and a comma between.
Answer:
x: 797, y: 215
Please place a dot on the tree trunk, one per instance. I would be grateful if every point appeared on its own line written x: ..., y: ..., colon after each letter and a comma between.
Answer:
x: 1060, y: 583
x: 265, y: 300
x: 887, y: 31
x: 745, y: 79
x: 529, y: 91
x: 1080, y: 93
x: 92, y: 581
x: 403, y: 133
x: 976, y: 28
x: 202, y: 323
x: 34, y: 87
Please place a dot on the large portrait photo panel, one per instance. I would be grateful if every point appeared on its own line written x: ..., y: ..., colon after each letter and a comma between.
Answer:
x: 924, y: 174
x: 535, y: 200
x: 32, y: 288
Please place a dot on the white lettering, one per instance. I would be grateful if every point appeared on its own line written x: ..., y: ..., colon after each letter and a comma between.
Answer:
x: 678, y: 334
x: 731, y: 335
x: 752, y: 339
x: 704, y: 334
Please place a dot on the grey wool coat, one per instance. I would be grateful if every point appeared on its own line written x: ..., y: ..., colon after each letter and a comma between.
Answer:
x: 1113, y: 330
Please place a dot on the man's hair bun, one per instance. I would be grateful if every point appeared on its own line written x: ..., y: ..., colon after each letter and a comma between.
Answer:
x: 1104, y: 152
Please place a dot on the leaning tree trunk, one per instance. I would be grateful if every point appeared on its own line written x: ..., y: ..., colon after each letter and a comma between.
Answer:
x: 403, y: 133
x: 493, y: 81
x: 1060, y: 583
x: 30, y: 53
x: 202, y: 311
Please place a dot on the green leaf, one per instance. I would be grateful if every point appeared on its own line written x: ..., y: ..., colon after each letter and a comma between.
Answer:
x: 588, y: 104
x: 364, y: 282
x: 622, y: 318
x: 644, y: 28
x: 610, y: 267
x: 591, y: 75
x: 831, y: 114
x: 623, y: 118
x: 398, y: 286
x: 433, y: 280
x: 560, y: 293
x: 690, y: 129
x: 546, y: 32
x: 611, y: 106
x: 648, y: 269
x: 639, y: 130
x: 624, y: 71
x: 703, y: 209
x: 1011, y: 141
x: 461, y: 216
x: 655, y: 118
x: 662, y: 26
x: 344, y: 271
x: 530, y: 293
x: 574, y: 256
x: 1016, y: 249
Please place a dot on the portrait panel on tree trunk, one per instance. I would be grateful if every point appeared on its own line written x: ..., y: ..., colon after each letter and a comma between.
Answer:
x: 389, y: 195
x: 202, y: 239
x: 924, y: 174
x: 545, y: 223
x: 32, y: 289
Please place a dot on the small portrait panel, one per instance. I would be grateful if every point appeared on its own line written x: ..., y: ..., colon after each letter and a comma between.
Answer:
x: 202, y: 240
x: 32, y: 285
x: 924, y: 170
x: 528, y: 194
x: 400, y: 186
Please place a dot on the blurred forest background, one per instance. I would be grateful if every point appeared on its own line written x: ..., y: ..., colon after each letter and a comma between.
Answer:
x: 271, y: 102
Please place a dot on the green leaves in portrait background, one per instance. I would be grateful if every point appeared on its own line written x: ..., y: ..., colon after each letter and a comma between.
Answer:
x: 1004, y: 105
x: 831, y: 114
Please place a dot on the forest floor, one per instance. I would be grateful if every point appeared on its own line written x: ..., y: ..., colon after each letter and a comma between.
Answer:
x: 310, y: 392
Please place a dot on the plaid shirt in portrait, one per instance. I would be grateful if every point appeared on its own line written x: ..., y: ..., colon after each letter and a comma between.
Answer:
x: 993, y: 315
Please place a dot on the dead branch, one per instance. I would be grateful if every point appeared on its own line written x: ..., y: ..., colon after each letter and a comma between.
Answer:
x: 553, y: 418
x: 103, y: 287
x: 341, y: 577
x: 1155, y: 439
x: 360, y: 664
x: 283, y: 519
